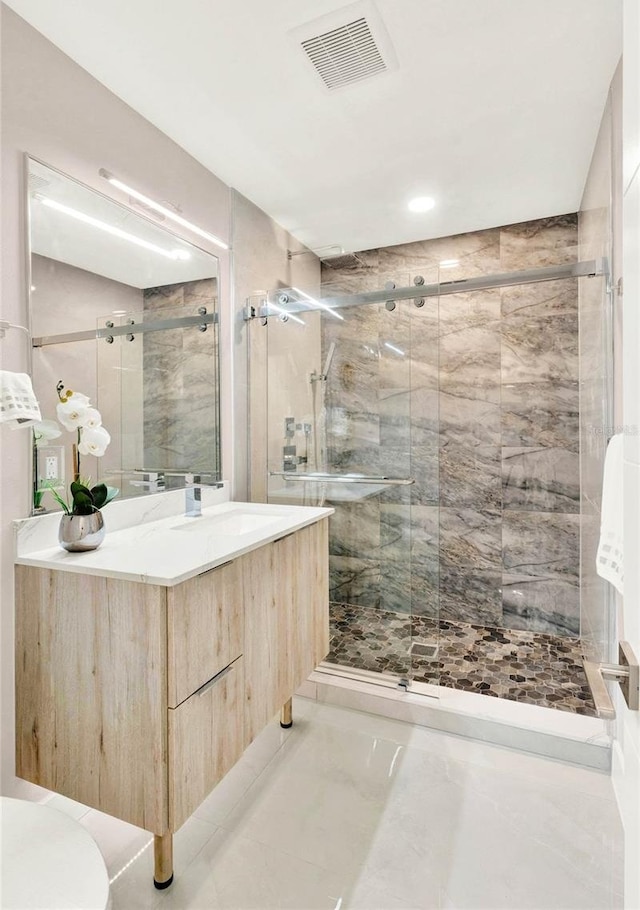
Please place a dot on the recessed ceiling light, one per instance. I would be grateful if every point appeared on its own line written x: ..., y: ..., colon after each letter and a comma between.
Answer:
x: 421, y: 204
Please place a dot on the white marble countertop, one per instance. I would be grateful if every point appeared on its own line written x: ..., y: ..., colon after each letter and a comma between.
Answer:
x: 164, y: 550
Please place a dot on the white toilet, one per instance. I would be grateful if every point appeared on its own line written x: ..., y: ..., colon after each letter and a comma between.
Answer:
x: 48, y: 860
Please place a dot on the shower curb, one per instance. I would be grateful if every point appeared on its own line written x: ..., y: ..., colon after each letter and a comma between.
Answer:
x: 559, y: 735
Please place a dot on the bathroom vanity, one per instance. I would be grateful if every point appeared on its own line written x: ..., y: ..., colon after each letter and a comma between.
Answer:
x: 145, y: 668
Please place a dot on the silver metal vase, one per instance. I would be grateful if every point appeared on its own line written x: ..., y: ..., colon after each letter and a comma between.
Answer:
x: 81, y: 532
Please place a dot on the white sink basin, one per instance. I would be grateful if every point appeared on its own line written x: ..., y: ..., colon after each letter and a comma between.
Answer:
x: 233, y: 523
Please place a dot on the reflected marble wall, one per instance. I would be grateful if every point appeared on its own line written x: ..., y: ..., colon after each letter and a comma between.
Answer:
x: 181, y: 382
x: 481, y: 407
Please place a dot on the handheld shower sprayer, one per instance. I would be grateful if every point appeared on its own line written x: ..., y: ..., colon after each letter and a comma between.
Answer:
x: 322, y: 377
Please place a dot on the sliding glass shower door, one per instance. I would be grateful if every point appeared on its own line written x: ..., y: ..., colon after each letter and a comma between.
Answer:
x: 352, y: 425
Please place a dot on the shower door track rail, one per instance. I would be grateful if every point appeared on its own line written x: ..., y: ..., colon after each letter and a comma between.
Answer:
x: 388, y: 681
x: 587, y: 269
x: 130, y: 329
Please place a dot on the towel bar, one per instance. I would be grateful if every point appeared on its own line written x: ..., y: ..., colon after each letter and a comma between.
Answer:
x: 344, y: 478
x: 627, y: 673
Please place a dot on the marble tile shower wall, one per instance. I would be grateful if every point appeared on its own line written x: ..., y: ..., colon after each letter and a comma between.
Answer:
x: 180, y: 381
x: 481, y: 407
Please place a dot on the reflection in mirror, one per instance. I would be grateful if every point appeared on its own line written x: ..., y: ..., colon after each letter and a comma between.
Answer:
x: 125, y: 312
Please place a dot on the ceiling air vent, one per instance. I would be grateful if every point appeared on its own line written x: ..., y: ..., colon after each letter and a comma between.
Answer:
x: 346, y: 46
x: 346, y: 54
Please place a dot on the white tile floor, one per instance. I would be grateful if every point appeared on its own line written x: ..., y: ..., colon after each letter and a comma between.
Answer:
x: 348, y: 810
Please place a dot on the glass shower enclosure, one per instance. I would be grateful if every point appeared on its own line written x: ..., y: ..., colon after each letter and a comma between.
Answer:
x: 439, y: 417
x: 352, y: 417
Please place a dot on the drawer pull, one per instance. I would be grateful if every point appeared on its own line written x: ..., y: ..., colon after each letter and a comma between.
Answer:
x: 214, y: 679
x: 223, y: 565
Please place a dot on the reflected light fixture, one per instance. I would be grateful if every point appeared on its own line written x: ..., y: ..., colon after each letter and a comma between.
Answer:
x: 448, y: 263
x: 163, y: 210
x: 110, y: 228
x: 392, y: 347
x: 421, y: 204
x: 319, y: 303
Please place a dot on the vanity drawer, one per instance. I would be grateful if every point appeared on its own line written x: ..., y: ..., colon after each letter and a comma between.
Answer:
x: 206, y: 738
x: 204, y: 628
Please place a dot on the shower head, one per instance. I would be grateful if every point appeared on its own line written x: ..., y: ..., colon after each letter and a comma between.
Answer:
x: 342, y: 261
x: 333, y: 256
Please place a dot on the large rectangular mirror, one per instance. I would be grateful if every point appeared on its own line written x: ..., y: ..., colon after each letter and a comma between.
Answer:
x: 124, y: 311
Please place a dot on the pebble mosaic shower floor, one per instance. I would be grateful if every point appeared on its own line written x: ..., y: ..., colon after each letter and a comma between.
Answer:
x: 530, y: 667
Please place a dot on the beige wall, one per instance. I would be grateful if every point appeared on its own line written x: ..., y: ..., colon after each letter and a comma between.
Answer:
x: 260, y: 264
x: 54, y: 111
x: 67, y: 299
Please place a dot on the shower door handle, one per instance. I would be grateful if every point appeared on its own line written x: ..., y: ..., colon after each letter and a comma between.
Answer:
x: 627, y: 673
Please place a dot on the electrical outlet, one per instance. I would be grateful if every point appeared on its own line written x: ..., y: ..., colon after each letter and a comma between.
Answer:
x: 51, y: 467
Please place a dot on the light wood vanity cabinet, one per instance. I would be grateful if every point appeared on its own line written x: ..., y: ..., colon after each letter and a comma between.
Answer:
x: 281, y: 640
x: 205, y: 627
x: 136, y: 699
x: 206, y: 738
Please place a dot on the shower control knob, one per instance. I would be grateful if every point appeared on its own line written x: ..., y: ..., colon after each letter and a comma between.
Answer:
x: 283, y: 298
x: 418, y: 281
x: 419, y: 301
x: 390, y: 286
x: 390, y: 305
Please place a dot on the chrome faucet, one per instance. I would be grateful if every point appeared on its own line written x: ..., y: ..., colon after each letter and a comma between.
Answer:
x: 193, y: 494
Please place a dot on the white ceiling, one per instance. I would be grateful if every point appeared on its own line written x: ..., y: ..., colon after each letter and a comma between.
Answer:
x: 493, y: 108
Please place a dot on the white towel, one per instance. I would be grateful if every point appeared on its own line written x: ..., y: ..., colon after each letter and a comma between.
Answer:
x: 610, y: 558
x: 18, y: 404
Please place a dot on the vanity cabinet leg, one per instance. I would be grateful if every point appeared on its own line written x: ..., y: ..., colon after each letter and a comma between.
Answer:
x: 163, y: 860
x: 286, y: 715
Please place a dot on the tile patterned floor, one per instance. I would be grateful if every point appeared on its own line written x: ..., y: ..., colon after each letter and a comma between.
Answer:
x: 530, y: 667
x: 348, y: 811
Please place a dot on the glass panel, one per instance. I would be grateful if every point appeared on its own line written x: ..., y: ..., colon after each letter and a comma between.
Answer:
x: 164, y: 381
x: 426, y: 450
x: 353, y: 419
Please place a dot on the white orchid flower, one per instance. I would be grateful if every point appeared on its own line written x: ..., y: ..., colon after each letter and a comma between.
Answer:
x: 92, y: 419
x: 45, y: 430
x: 79, y: 399
x: 93, y: 441
x: 72, y: 412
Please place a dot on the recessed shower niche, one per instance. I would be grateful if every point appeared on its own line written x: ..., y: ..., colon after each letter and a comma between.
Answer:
x: 126, y: 312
